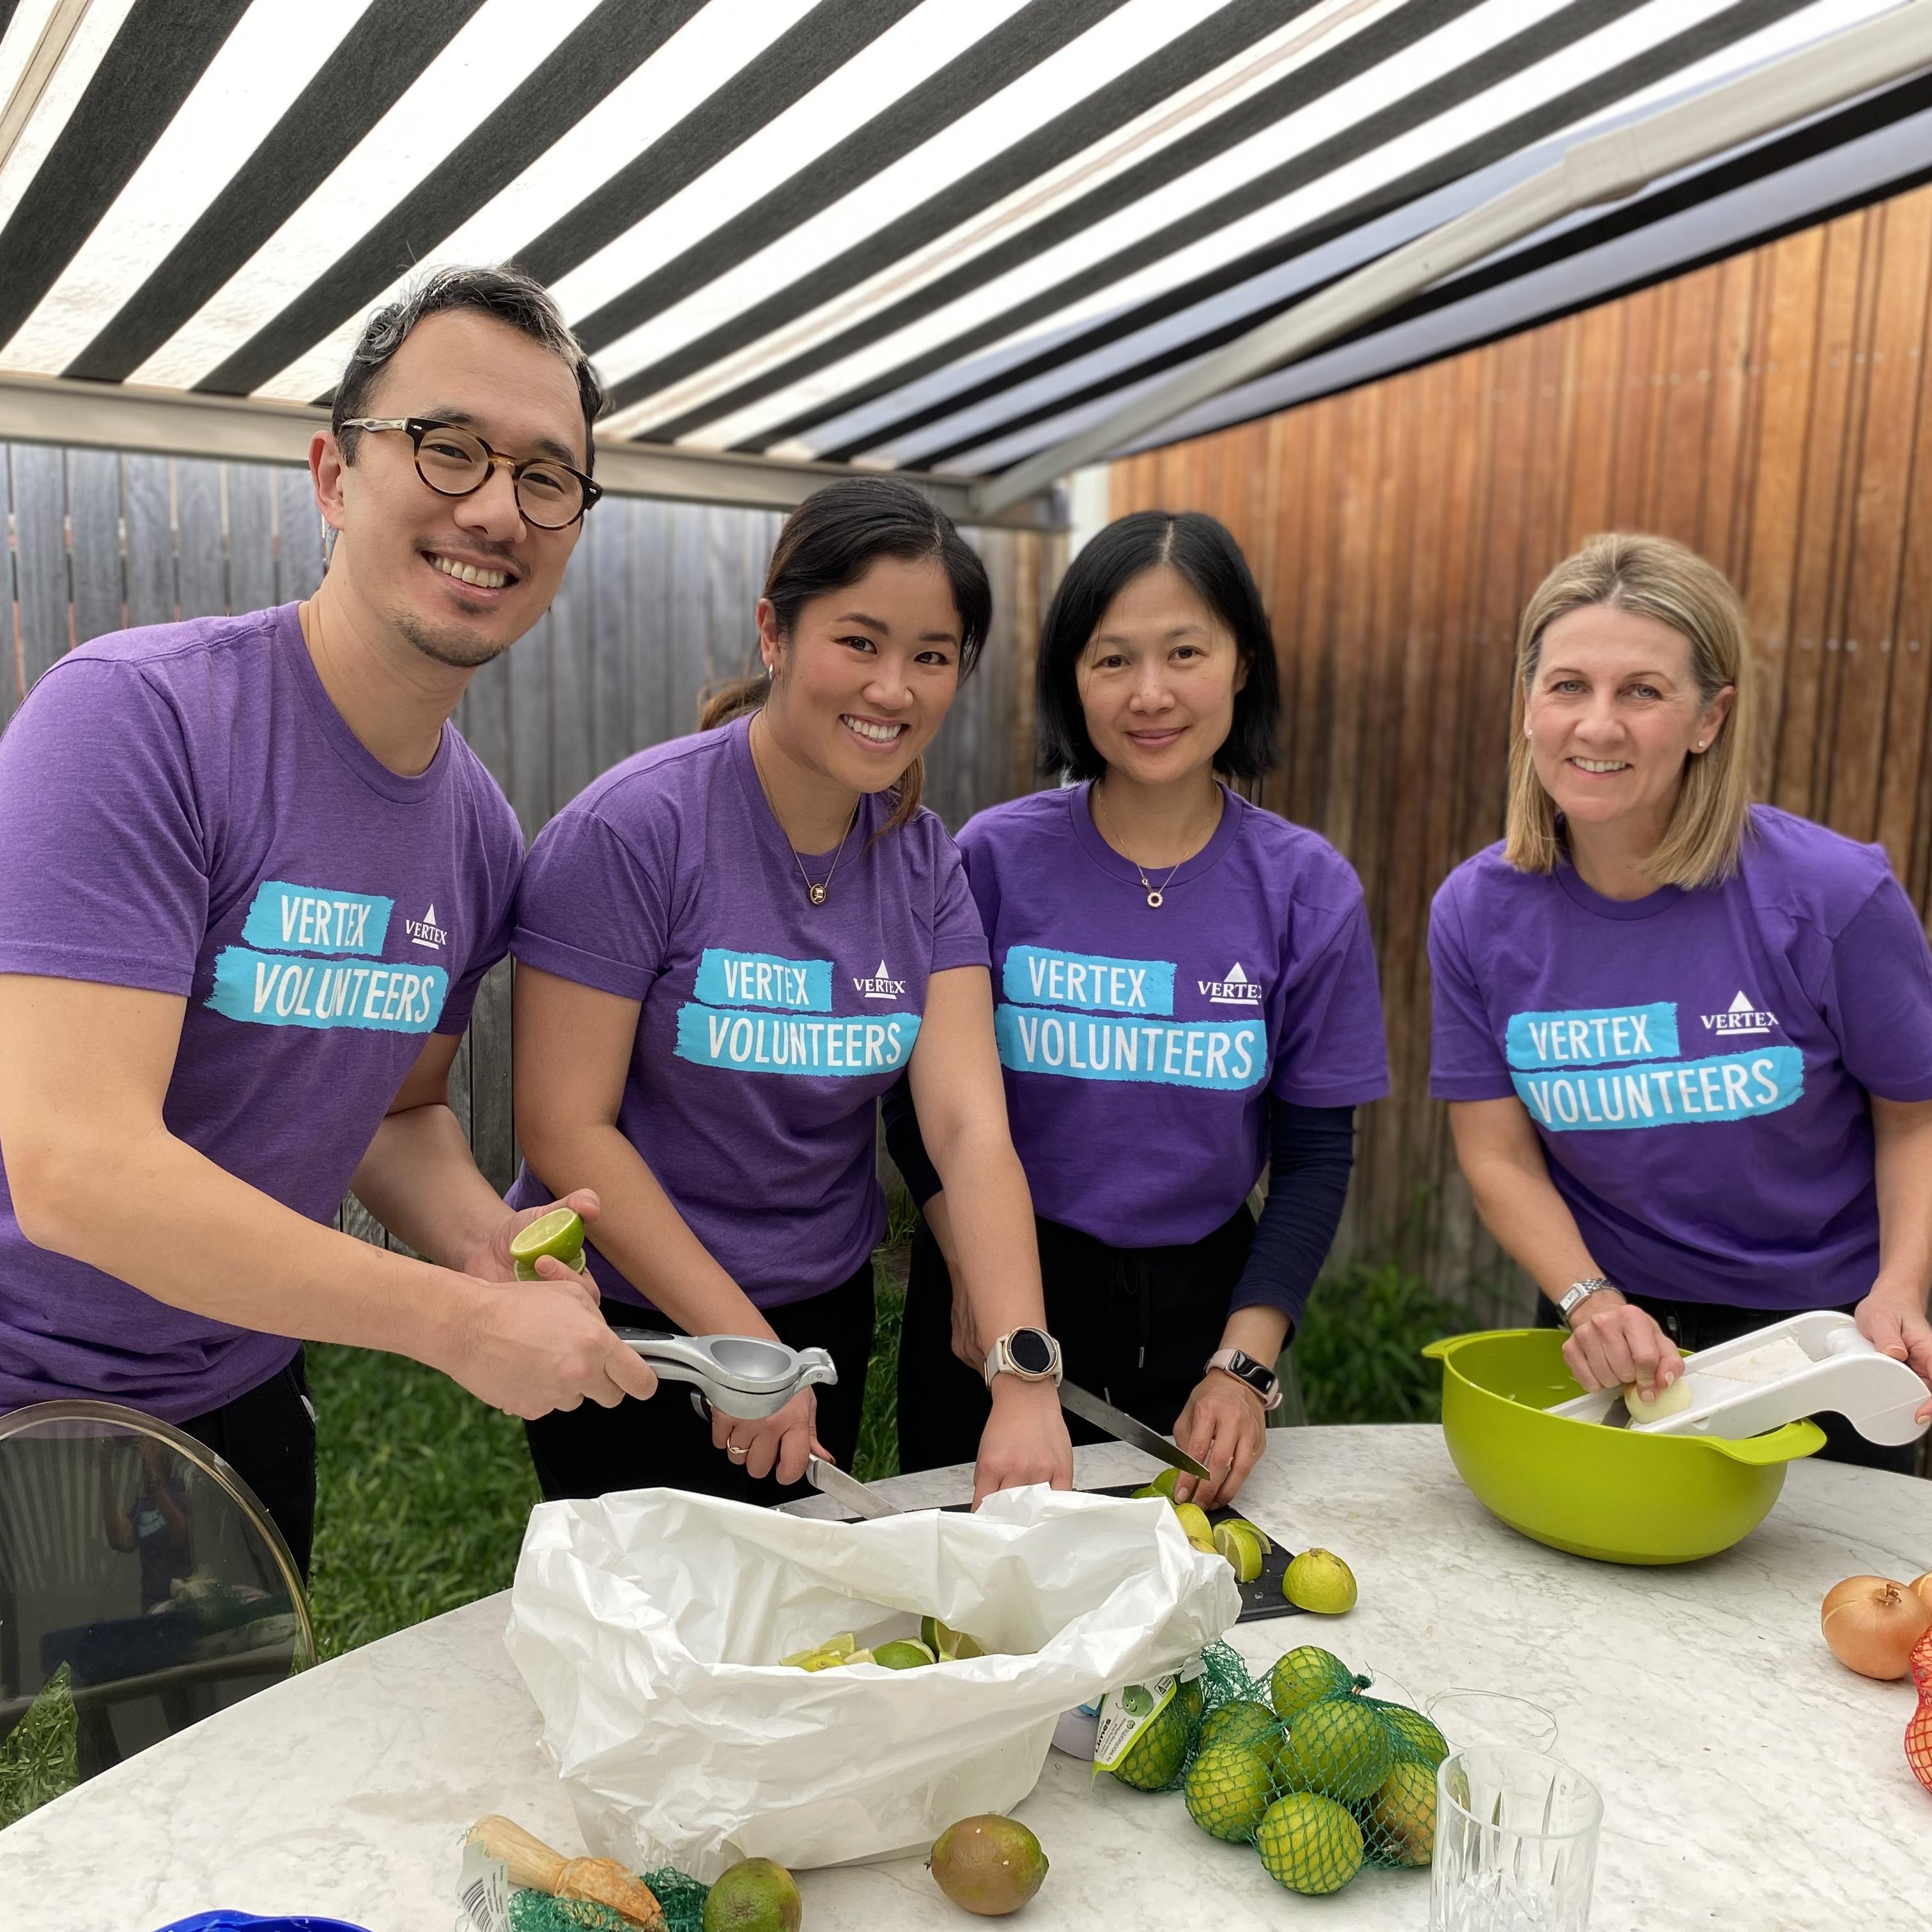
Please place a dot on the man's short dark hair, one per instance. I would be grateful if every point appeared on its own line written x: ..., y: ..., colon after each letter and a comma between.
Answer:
x: 1203, y: 553
x: 508, y: 294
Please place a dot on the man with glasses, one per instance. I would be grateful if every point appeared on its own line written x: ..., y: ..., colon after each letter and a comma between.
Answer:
x: 252, y: 878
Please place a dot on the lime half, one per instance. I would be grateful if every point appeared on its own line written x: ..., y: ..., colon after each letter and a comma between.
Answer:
x: 560, y: 1233
x: 904, y: 1654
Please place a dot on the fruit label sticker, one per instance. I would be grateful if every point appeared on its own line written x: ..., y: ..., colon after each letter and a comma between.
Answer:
x: 1125, y: 1713
x: 483, y: 1886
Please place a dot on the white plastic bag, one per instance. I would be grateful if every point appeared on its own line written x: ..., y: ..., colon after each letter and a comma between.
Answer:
x: 648, y: 1627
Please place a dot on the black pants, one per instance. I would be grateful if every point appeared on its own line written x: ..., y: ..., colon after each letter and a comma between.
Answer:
x: 267, y: 1436
x: 665, y: 1444
x: 1135, y: 1326
x: 1703, y: 1324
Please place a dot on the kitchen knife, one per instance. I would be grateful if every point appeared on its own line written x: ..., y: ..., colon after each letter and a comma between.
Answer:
x: 829, y: 1480
x: 1124, y: 1428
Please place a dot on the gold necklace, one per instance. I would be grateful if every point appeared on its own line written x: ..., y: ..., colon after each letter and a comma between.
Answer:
x: 816, y: 892
x: 1155, y: 894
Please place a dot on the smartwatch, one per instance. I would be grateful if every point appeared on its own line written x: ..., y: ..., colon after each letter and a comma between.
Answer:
x: 1242, y: 1366
x: 1578, y: 1292
x: 1031, y: 1354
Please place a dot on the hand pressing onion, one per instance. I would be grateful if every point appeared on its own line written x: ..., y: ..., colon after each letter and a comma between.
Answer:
x: 1872, y: 1623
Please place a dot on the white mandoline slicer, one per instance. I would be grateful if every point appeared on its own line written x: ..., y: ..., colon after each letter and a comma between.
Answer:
x: 1790, y: 1370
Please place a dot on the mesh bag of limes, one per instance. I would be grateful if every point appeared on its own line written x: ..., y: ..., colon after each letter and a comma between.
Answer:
x: 1321, y: 1778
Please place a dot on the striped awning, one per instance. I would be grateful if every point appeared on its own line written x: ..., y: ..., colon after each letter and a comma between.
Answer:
x: 928, y: 234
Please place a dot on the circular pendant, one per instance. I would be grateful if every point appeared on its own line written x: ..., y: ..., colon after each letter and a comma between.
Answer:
x: 1153, y: 899
x: 816, y: 894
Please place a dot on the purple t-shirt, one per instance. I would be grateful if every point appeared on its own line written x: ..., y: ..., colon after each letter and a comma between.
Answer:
x: 770, y: 1026
x: 1142, y: 1045
x: 1697, y: 1063
x: 186, y: 812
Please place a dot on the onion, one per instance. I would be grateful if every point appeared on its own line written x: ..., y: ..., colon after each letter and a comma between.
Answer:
x: 1922, y: 1587
x: 1871, y: 1624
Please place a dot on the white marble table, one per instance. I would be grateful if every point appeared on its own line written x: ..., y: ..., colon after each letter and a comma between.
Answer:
x: 1749, y: 1782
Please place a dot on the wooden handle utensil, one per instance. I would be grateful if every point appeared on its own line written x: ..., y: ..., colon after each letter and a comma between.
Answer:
x: 533, y: 1865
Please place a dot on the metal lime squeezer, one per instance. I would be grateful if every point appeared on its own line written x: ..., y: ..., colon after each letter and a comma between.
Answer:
x: 745, y: 1376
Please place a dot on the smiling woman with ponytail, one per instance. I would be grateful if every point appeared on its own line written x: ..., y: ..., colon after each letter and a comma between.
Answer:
x: 729, y: 945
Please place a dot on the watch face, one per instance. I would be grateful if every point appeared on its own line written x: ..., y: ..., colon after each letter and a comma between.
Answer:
x: 1031, y: 1352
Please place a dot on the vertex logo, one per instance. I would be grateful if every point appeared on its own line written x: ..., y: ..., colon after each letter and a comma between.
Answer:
x: 1742, y: 1017
x: 1236, y: 990
x: 425, y: 932
x: 880, y: 986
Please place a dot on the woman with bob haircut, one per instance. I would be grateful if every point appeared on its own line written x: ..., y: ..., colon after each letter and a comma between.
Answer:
x: 728, y: 945
x: 1686, y: 1039
x: 1186, y: 995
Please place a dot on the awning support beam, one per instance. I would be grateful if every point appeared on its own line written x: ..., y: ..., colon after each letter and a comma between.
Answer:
x: 175, y: 422
x: 1605, y: 168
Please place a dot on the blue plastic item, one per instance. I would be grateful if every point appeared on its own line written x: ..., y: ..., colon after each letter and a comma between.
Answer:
x: 249, y: 1921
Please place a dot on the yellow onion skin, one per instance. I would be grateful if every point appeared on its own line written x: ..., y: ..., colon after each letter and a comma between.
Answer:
x: 1870, y: 1623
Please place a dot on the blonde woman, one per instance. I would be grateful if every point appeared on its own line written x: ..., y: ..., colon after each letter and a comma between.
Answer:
x: 1686, y: 1039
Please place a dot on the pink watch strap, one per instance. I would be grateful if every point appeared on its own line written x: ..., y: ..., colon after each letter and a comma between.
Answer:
x: 1223, y: 1359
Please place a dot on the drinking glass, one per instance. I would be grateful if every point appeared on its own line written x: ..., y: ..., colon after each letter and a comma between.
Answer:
x: 1515, y: 1843
x: 1469, y: 1718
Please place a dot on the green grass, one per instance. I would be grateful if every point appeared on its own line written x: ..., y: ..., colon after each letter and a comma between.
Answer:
x: 423, y: 1491
x: 1359, y: 1349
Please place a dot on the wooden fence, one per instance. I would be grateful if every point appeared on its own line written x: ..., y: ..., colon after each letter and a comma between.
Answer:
x: 656, y: 605
x: 1771, y: 411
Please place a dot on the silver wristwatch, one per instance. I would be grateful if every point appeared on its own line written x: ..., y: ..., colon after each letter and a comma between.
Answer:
x: 1578, y: 1292
x: 1028, y: 1354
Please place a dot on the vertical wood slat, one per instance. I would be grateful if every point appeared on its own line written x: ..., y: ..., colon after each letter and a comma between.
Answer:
x: 148, y: 498
x: 1773, y: 411
x: 9, y: 676
x: 40, y: 558
x: 201, y: 547
x: 94, y: 523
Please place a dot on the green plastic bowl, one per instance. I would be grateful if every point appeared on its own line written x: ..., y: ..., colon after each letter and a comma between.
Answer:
x: 1607, y: 1493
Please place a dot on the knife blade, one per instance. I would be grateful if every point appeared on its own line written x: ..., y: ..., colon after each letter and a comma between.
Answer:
x: 1618, y: 1415
x: 829, y: 1480
x: 1124, y: 1428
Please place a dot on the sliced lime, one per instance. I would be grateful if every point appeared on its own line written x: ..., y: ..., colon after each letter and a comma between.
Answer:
x: 1260, y: 1535
x: 904, y: 1654
x: 1236, y: 1541
x: 560, y: 1233
x: 528, y: 1271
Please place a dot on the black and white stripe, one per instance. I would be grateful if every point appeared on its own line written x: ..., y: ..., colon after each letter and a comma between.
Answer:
x: 899, y: 233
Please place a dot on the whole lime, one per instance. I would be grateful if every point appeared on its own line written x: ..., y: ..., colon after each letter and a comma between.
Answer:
x: 1305, y: 1676
x: 1417, y: 1741
x: 987, y: 1864
x: 1308, y: 1843
x: 1154, y: 1758
x: 1319, y: 1580
x: 1190, y: 1694
x: 1228, y: 1786
x: 1242, y: 1721
x: 753, y: 1895
x: 1341, y: 1748
x: 1401, y: 1816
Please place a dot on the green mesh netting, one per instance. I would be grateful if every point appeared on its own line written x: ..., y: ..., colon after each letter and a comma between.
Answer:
x: 681, y: 1898
x: 1318, y: 1778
